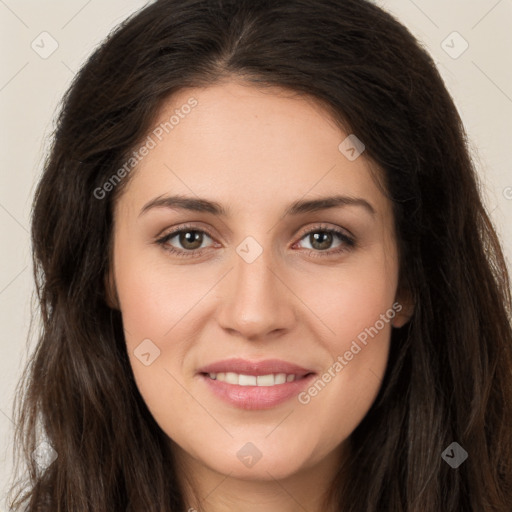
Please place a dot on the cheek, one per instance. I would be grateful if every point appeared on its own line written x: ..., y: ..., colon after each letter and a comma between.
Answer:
x: 154, y: 304
x: 153, y: 297
x: 353, y: 300
x: 358, y: 306
x: 158, y: 316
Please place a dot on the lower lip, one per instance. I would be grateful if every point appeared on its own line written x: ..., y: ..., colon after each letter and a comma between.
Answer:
x: 256, y: 397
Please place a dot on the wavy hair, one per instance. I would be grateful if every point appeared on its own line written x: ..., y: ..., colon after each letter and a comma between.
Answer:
x: 449, y: 375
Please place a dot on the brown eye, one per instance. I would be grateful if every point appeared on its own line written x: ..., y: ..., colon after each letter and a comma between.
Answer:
x: 190, y: 240
x: 186, y: 241
x: 321, y: 240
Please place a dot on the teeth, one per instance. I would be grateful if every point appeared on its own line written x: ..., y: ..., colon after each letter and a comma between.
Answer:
x: 247, y: 380
x: 280, y: 378
x: 231, y: 378
x: 251, y: 380
x: 265, y: 380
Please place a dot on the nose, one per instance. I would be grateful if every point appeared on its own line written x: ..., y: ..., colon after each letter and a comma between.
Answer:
x: 257, y: 301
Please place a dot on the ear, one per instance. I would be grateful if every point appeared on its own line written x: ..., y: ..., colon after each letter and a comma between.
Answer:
x: 404, y: 307
x: 111, y: 297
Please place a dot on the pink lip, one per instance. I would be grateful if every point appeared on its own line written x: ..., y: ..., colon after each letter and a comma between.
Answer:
x: 256, y: 397
x: 256, y: 368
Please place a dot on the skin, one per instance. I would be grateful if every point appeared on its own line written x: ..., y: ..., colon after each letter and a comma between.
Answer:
x: 255, y: 152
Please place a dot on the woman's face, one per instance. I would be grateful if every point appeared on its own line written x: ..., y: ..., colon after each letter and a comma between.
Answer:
x: 257, y: 276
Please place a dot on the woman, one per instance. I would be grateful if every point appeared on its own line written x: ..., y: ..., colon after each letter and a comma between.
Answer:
x: 195, y: 354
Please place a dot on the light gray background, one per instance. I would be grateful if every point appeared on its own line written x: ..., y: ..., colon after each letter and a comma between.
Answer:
x: 480, y: 80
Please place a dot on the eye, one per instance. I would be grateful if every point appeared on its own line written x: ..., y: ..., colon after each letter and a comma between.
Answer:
x: 189, y: 240
x: 321, y: 239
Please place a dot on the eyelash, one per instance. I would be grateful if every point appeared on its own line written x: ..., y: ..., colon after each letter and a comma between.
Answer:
x: 348, y: 242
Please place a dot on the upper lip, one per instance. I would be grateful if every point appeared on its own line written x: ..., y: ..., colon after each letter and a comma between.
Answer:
x: 246, y: 367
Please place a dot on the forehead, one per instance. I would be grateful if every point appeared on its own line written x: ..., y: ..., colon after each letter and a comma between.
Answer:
x: 254, y: 147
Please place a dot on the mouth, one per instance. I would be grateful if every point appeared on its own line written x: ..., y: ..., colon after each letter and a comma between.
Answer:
x: 255, y: 385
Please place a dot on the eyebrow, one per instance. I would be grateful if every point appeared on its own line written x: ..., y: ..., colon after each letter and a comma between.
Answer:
x: 296, y: 208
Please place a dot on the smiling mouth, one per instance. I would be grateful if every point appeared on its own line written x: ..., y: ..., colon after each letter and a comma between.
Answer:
x: 240, y: 379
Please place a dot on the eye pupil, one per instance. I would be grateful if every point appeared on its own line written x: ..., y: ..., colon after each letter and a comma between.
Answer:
x: 321, y: 237
x: 191, y: 237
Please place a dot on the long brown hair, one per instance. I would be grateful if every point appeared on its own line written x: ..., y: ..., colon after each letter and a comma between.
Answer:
x: 449, y: 376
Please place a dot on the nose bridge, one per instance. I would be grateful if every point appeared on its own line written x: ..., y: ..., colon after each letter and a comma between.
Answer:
x: 255, y: 278
x: 255, y: 301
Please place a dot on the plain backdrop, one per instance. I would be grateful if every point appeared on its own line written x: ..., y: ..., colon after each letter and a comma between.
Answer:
x: 44, y: 43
